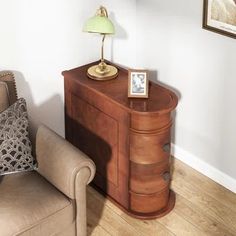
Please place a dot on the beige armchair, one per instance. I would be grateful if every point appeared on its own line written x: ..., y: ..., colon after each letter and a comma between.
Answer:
x: 51, y: 200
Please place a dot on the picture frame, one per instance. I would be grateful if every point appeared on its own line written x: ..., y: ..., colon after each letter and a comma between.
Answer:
x: 219, y: 16
x: 138, y: 83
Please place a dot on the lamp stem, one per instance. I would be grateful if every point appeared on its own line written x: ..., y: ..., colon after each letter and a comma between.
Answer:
x: 102, y: 54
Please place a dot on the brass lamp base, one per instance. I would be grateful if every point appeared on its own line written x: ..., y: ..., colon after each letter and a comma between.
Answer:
x: 102, y: 72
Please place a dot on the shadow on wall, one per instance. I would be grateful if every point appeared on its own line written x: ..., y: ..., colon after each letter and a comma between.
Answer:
x: 153, y: 76
x: 97, y: 148
x: 49, y: 112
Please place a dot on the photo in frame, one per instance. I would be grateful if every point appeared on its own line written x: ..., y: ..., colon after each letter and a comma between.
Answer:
x: 138, y: 83
x: 220, y: 16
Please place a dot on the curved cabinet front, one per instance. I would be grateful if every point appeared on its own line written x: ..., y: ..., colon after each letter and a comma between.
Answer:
x: 149, y: 184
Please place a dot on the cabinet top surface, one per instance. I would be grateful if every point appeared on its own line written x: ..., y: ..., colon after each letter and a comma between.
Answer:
x: 160, y: 99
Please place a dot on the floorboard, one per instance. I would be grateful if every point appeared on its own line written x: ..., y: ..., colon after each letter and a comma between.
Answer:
x: 203, y: 207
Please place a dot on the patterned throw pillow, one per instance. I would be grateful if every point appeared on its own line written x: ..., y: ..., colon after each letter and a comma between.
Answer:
x: 15, y: 146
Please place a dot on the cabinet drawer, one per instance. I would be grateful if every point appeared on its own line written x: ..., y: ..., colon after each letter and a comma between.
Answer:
x: 150, y: 121
x: 149, y: 179
x: 149, y: 148
x: 149, y: 203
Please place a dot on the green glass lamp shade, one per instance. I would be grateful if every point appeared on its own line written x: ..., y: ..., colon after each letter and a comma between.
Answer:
x: 99, y: 24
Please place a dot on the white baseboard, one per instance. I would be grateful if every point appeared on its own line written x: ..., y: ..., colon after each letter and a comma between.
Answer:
x: 204, y: 168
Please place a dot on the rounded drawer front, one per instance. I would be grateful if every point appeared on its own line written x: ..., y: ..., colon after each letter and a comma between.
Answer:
x: 149, y: 179
x: 149, y: 148
x: 150, y: 121
x: 142, y: 203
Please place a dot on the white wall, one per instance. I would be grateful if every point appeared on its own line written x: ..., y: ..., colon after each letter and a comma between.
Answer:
x: 122, y: 47
x: 40, y: 39
x: 200, y: 65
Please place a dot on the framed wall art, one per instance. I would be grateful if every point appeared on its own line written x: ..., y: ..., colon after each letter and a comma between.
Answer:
x: 220, y: 16
x: 138, y: 84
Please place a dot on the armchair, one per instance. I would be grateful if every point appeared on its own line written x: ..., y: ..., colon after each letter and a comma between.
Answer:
x: 51, y: 200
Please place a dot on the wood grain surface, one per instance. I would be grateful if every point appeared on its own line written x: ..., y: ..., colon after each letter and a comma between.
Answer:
x: 128, y: 139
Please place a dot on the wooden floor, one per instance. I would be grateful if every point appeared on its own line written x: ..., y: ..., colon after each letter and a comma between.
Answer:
x: 203, y: 207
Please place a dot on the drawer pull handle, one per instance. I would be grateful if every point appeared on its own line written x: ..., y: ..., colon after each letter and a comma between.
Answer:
x: 166, y: 147
x: 166, y: 176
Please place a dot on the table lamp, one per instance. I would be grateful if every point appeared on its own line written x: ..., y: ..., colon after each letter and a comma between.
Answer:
x: 101, y: 24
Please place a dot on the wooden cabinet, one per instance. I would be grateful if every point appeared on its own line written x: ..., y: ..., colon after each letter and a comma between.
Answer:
x: 128, y: 139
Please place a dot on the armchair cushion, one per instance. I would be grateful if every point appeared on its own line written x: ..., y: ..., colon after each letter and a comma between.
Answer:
x: 32, y: 206
x: 15, y: 146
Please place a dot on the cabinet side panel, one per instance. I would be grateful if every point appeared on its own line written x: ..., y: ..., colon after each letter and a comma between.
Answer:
x: 97, y: 136
x: 101, y: 129
x: 67, y: 109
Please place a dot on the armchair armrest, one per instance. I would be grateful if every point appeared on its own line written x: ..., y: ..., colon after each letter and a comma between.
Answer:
x: 67, y: 168
x: 62, y: 164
